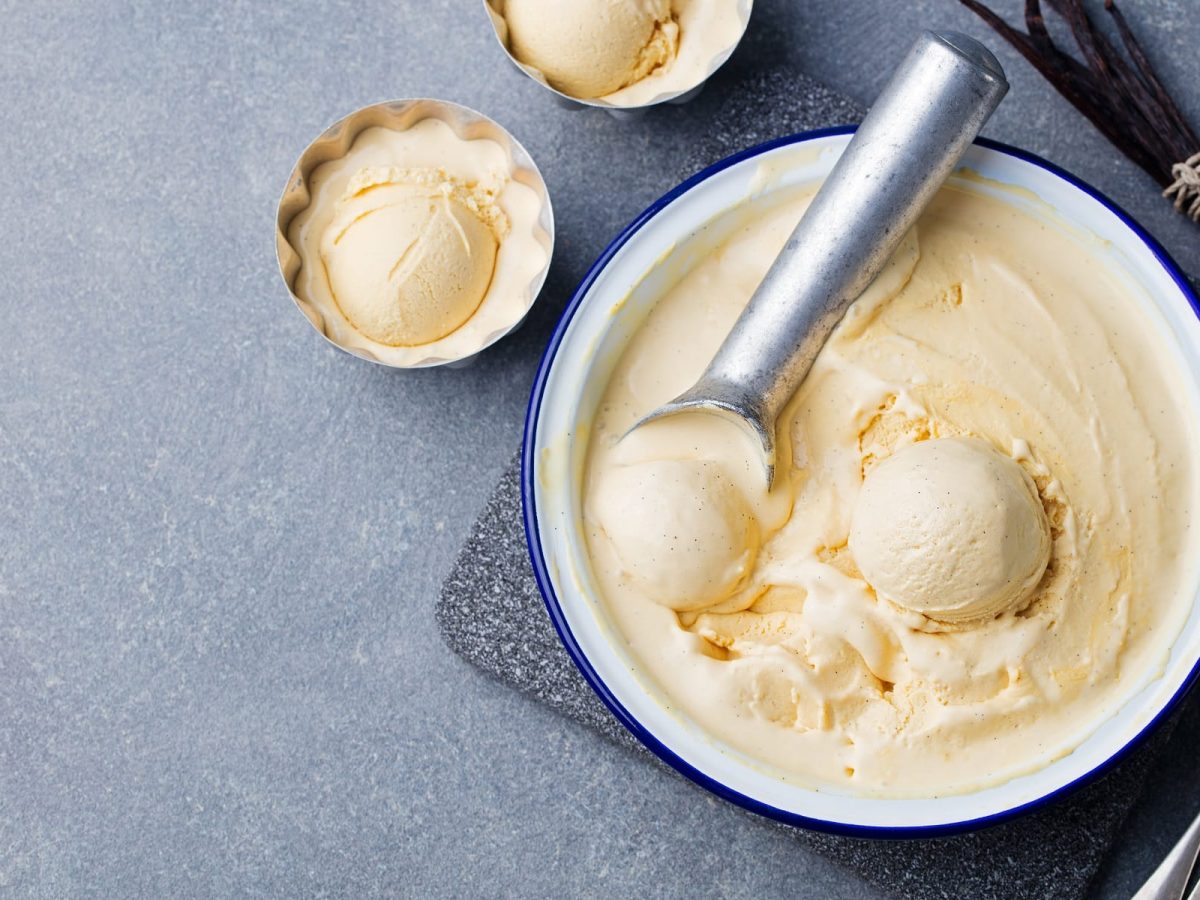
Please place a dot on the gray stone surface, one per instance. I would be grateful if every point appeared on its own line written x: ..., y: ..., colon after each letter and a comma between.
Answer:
x: 219, y: 668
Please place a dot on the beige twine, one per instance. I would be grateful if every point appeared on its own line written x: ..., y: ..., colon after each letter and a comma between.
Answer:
x: 1186, y: 188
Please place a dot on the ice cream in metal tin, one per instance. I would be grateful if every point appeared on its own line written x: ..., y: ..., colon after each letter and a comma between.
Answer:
x: 417, y: 233
x: 621, y: 54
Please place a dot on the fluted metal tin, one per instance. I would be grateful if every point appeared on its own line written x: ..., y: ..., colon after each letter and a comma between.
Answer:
x: 495, y: 13
x: 400, y: 115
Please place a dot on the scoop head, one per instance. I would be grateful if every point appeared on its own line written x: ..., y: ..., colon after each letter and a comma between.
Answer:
x: 734, y: 404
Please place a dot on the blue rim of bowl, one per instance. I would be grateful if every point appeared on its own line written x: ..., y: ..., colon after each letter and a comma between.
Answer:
x: 542, y: 576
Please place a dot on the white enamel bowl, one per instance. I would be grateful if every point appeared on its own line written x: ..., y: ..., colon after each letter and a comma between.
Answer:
x: 610, y: 304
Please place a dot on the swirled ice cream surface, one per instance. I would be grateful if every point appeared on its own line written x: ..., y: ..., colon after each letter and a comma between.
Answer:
x: 1068, y: 457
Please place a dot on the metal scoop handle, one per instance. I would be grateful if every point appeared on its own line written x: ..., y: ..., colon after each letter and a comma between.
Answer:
x: 918, y: 129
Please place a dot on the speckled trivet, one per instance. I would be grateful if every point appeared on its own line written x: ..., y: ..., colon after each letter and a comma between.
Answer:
x: 491, y: 612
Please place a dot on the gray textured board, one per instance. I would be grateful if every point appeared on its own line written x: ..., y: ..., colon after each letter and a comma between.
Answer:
x: 490, y: 612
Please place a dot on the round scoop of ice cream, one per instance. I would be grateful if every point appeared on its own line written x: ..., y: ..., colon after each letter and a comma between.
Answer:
x: 589, y: 48
x: 409, y: 254
x: 681, y: 530
x: 951, y: 528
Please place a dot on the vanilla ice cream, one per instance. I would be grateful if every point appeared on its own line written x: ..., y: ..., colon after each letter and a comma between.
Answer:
x: 410, y: 253
x: 979, y: 543
x: 625, y: 52
x: 951, y: 528
x: 589, y: 48
x: 418, y: 244
x: 683, y: 532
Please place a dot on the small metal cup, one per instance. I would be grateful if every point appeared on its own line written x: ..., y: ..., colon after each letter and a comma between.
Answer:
x: 400, y: 115
x: 495, y: 13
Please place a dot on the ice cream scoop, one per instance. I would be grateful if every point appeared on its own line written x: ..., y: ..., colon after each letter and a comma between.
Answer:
x: 681, y: 530
x: 410, y: 253
x: 589, y: 48
x: 916, y: 132
x: 951, y: 528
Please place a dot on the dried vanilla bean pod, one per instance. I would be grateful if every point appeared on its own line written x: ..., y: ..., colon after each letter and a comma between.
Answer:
x: 1120, y: 93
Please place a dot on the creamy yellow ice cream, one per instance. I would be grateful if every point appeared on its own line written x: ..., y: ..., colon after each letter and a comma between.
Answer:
x: 847, y: 629
x: 951, y: 528
x: 625, y: 52
x: 410, y: 253
x: 418, y: 245
x: 688, y: 540
x: 589, y: 48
